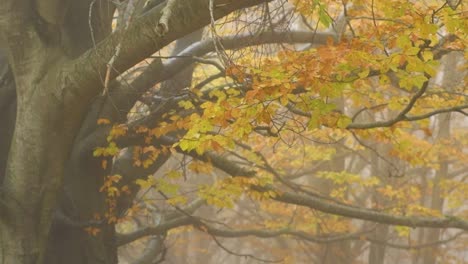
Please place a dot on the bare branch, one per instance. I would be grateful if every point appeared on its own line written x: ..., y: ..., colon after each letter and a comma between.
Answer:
x: 172, y: 219
x: 265, y: 233
x: 161, y: 229
x: 368, y: 214
x: 243, y: 255
x: 321, y: 204
x: 126, y: 15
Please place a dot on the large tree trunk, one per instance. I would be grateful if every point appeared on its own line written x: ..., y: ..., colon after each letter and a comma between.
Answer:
x: 42, y: 140
x: 79, y: 200
x: 47, y: 122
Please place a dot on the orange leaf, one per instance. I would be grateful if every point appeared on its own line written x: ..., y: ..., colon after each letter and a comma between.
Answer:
x: 104, y: 164
x: 92, y: 230
x: 103, y: 121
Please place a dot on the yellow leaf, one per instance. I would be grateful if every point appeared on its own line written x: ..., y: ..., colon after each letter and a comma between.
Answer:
x: 145, y: 183
x: 177, y: 200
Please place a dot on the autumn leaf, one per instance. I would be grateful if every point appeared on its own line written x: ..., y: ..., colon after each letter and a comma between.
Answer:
x: 93, y: 231
x: 103, y: 121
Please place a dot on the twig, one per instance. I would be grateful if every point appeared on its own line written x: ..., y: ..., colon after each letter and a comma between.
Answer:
x: 126, y: 18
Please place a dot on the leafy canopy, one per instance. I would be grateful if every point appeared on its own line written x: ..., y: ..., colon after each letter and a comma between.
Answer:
x: 355, y: 120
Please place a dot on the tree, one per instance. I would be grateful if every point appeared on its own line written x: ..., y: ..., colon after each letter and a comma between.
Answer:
x: 73, y: 162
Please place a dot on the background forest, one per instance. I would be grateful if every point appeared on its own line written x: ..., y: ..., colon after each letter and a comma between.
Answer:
x: 300, y: 131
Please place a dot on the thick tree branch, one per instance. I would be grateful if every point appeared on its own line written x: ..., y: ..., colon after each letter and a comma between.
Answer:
x: 161, y: 229
x: 265, y: 233
x: 368, y: 214
x: 138, y: 42
x: 123, y: 95
x: 281, y: 232
x: 317, y: 239
x: 321, y: 204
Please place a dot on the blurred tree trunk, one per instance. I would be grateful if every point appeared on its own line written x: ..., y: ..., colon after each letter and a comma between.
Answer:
x: 377, y: 250
x: 339, y: 252
x: 450, y: 79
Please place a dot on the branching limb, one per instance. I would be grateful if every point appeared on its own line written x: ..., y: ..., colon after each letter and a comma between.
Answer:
x: 138, y: 42
x: 321, y: 204
x: 161, y: 229
x: 324, y: 205
x: 126, y: 15
x: 400, y: 117
x: 243, y: 255
x: 264, y: 233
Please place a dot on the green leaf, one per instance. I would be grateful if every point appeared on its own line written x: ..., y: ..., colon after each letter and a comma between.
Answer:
x: 343, y: 121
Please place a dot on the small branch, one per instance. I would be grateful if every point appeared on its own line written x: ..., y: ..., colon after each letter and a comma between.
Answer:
x: 243, y: 255
x: 173, y: 219
x: 211, y: 62
x: 126, y: 16
x: 123, y: 239
x: 400, y: 117
x: 320, y: 239
x: 416, y: 246
x: 209, y: 79
x: 366, y: 109
x: 457, y: 109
